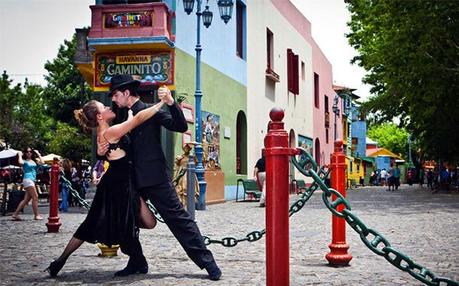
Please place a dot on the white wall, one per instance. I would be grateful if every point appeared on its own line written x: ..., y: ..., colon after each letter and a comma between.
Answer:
x: 262, y: 14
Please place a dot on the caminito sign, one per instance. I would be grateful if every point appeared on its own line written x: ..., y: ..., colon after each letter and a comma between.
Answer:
x: 148, y: 67
x: 127, y: 19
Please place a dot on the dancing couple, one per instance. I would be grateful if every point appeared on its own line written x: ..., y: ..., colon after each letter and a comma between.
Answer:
x: 137, y: 173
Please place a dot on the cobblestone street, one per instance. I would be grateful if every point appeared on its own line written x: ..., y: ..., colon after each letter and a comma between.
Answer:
x: 423, y: 225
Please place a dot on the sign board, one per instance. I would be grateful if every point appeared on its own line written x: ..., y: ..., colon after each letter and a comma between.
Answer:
x: 148, y: 67
x: 127, y: 19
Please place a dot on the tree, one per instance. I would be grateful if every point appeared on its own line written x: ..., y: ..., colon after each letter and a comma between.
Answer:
x: 23, y: 118
x: 391, y: 137
x: 8, y: 100
x: 410, y: 50
x: 70, y: 142
x: 66, y: 89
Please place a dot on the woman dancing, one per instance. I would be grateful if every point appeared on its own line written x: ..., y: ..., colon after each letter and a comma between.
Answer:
x: 116, y: 208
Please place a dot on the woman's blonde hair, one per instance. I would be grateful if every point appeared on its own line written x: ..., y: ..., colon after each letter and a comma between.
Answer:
x: 87, y: 116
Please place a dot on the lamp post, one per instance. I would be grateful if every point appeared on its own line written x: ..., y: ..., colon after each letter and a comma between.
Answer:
x: 226, y: 9
x: 335, y: 109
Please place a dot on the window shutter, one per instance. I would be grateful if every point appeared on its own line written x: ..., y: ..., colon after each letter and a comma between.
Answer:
x: 295, y: 74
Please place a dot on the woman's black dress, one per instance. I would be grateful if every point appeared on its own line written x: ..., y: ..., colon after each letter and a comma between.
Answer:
x: 114, y: 211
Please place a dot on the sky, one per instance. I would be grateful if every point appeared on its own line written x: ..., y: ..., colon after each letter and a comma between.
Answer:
x: 34, y: 30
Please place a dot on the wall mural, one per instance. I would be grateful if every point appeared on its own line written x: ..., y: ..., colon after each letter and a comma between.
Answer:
x: 210, y: 124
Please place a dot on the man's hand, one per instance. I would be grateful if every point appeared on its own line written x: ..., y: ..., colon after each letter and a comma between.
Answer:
x: 102, y: 148
x: 165, y: 95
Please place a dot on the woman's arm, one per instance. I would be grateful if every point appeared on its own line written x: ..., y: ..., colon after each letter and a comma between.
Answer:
x: 40, y: 159
x: 115, y: 132
x: 20, y: 160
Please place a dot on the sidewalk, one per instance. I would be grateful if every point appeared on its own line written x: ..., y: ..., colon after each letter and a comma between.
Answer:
x: 418, y: 223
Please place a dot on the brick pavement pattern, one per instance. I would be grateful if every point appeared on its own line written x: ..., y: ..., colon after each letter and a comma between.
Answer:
x: 420, y: 224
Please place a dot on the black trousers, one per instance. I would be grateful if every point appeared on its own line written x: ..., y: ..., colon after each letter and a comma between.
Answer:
x: 178, y: 220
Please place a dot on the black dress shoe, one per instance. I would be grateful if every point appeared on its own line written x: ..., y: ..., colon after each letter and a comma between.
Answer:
x: 214, y: 272
x: 132, y: 269
x: 54, y: 267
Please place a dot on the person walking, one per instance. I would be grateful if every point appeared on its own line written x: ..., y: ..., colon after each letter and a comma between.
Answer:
x: 383, y: 177
x: 116, y: 209
x: 152, y: 180
x: 28, y: 160
x: 259, y: 173
x: 396, y: 176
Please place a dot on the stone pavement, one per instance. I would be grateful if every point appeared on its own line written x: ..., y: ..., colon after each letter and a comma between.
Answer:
x: 423, y: 225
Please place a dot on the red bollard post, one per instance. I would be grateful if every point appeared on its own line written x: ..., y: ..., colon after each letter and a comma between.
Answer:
x: 54, y: 223
x: 277, y: 154
x: 338, y: 255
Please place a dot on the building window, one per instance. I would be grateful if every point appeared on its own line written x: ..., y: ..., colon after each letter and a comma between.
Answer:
x: 326, y: 135
x: 270, y: 48
x: 316, y: 90
x: 240, y: 29
x: 293, y: 72
x: 303, y: 73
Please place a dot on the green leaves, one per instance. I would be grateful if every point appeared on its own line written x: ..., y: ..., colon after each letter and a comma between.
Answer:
x: 42, y: 117
x: 411, y: 52
x: 391, y: 137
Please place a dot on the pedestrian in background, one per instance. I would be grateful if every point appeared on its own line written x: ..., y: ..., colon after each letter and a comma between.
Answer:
x: 28, y: 160
x: 396, y: 176
x: 259, y: 173
x: 383, y: 177
x: 66, y: 171
x: 390, y: 179
x: 421, y: 177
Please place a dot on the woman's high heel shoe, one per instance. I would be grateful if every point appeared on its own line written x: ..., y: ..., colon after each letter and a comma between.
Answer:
x: 54, y: 267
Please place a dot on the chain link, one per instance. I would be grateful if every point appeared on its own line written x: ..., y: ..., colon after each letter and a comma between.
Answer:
x: 74, y: 192
x: 375, y: 241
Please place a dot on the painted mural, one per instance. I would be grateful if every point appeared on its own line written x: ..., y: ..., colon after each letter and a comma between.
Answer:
x: 305, y: 143
x: 210, y: 124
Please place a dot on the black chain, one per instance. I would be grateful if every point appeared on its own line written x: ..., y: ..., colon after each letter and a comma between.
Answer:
x: 375, y: 241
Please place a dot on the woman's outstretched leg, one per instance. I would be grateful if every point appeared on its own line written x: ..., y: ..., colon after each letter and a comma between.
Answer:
x: 146, y: 218
x: 56, y: 266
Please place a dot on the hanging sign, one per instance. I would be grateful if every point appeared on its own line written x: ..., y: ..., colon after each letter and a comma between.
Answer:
x: 148, y: 67
x: 127, y: 20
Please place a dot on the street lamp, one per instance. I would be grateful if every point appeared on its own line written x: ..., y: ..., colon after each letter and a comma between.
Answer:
x: 335, y: 109
x: 226, y: 9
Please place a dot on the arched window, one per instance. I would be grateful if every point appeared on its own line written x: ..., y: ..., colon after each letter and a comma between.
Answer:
x: 241, y: 143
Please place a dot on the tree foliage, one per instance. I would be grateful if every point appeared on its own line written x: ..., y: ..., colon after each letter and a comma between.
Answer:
x: 23, y: 120
x: 70, y: 141
x: 391, y: 137
x: 66, y: 89
x: 42, y: 117
x: 410, y: 50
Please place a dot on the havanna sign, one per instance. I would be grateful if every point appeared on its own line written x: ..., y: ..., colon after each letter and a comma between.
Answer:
x: 148, y: 67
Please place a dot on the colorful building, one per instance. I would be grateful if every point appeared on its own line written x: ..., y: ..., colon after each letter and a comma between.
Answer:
x: 286, y: 68
x: 263, y: 57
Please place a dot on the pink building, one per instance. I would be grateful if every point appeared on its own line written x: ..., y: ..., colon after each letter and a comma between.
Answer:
x: 322, y: 87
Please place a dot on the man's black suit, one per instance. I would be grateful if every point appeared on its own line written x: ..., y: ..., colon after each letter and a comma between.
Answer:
x: 154, y: 184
